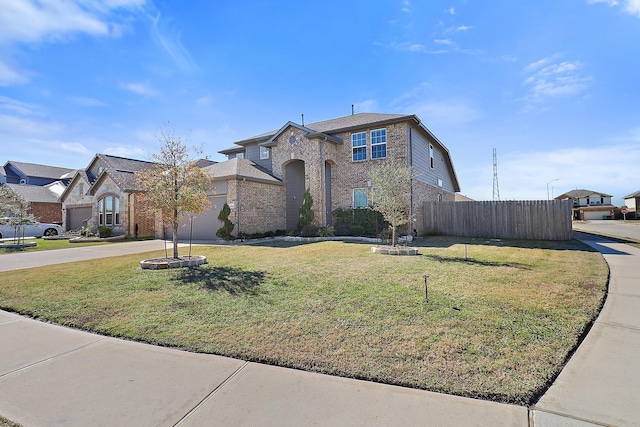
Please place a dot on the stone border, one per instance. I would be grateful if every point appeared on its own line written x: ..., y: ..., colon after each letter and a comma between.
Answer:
x: 83, y: 239
x: 18, y: 245
x: 163, y: 264
x: 395, y: 250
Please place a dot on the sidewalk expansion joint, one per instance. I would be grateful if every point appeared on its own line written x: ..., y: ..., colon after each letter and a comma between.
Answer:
x: 568, y: 417
x: 55, y: 356
x: 619, y: 326
x: 213, y: 392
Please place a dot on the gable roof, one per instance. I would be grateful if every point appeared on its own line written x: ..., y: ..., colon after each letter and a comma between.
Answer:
x: 40, y: 171
x: 633, y: 195
x: 241, y: 169
x: 581, y: 194
x: 81, y: 173
x: 34, y: 193
x: 120, y: 169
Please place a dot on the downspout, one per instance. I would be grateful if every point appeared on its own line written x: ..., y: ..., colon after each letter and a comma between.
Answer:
x: 410, y: 156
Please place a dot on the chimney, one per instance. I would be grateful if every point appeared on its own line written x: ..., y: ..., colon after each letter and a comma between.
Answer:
x: 352, y: 110
x: 302, y: 119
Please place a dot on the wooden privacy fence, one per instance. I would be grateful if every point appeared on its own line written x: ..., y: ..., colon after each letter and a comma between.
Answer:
x: 535, y: 219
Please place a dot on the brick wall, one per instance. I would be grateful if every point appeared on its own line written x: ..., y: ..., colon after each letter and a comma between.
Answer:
x: 47, y: 212
x: 262, y: 206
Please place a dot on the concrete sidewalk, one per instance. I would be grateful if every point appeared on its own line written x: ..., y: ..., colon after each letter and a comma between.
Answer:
x: 55, y: 376
x: 601, y: 383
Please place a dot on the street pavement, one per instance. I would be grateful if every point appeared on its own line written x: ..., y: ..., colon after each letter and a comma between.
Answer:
x: 622, y: 229
x: 56, y: 376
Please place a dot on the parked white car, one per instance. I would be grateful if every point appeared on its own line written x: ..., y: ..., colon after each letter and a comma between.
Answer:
x: 34, y: 229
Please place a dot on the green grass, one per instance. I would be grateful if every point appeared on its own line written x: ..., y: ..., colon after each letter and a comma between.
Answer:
x: 499, y: 324
x: 6, y: 423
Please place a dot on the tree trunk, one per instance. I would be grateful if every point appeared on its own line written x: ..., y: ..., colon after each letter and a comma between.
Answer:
x: 174, y: 225
x: 393, y: 236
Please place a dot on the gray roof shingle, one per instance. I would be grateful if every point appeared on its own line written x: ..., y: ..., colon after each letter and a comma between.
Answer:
x: 241, y: 168
x: 581, y: 194
x: 34, y: 193
x: 40, y: 171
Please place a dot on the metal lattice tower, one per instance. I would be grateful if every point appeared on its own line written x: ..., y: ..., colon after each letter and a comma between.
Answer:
x: 496, y: 188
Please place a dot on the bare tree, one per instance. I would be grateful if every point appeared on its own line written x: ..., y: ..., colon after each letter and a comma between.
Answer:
x: 14, y: 211
x: 391, y: 181
x: 174, y: 186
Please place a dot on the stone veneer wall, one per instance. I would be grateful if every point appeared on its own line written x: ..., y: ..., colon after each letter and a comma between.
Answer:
x: 345, y: 173
x: 262, y: 206
x: 110, y: 188
x: 75, y: 198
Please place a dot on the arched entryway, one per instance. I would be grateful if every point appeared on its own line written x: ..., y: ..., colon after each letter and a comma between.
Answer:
x: 294, y: 176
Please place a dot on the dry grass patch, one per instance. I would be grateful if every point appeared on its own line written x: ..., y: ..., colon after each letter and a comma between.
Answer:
x: 499, y: 324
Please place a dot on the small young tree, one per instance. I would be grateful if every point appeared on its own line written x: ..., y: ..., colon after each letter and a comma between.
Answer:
x: 15, y: 209
x: 174, y: 185
x: 306, y: 211
x: 391, y: 182
x: 224, y: 232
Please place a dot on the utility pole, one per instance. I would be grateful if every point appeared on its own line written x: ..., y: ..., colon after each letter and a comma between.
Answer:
x: 496, y: 188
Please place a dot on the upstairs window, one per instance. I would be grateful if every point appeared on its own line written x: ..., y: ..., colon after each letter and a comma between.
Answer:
x: 379, y: 144
x: 109, y: 211
x: 264, y: 153
x: 359, y: 146
x: 240, y: 156
x: 431, y: 160
x: 360, y: 198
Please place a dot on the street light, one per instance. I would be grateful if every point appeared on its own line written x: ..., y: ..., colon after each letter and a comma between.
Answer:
x: 557, y: 179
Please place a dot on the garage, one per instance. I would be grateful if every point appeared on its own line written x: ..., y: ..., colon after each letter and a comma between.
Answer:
x: 77, y: 216
x: 205, y: 224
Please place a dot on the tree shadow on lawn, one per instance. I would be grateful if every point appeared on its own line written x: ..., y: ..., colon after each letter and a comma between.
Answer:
x: 235, y: 281
x: 471, y: 261
x: 448, y: 241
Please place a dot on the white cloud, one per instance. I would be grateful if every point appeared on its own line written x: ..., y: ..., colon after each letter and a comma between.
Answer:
x: 630, y: 6
x: 15, y: 106
x: 172, y: 45
x: 524, y: 175
x: 144, y: 89
x: 366, y: 106
x: 445, y: 42
x: 132, y: 152
x: 10, y: 76
x: 554, y: 79
x: 87, y: 101
x: 75, y: 147
x: 451, y: 11
x: 406, y: 6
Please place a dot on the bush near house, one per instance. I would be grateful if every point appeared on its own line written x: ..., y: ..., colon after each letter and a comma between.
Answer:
x: 224, y: 232
x: 367, y: 222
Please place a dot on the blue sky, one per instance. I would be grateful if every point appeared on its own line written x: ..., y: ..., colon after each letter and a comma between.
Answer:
x: 553, y: 86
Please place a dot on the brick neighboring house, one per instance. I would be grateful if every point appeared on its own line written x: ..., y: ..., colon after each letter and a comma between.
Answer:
x: 333, y: 159
x: 40, y: 185
x: 589, y: 205
x: 105, y: 194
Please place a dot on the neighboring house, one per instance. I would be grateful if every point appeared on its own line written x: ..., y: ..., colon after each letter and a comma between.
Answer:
x: 40, y: 185
x: 463, y: 198
x: 106, y: 194
x: 34, y: 174
x: 265, y: 183
x: 632, y: 201
x: 43, y: 200
x: 589, y: 205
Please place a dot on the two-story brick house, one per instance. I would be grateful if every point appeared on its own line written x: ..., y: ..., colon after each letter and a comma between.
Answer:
x: 589, y: 205
x: 333, y: 159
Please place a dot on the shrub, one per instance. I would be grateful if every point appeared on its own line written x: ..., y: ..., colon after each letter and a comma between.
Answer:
x: 306, y: 213
x: 326, y: 231
x: 104, y: 231
x: 224, y: 232
x: 309, y: 230
x: 371, y: 221
x: 356, y: 230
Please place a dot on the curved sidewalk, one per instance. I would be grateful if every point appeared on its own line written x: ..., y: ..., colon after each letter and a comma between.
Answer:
x: 601, y: 383
x: 56, y: 376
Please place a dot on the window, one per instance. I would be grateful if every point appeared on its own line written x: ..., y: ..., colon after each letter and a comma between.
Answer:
x: 359, y: 146
x: 360, y: 199
x: 81, y: 188
x: 264, y: 153
x: 439, y: 182
x: 379, y: 144
x: 109, y: 211
x: 431, y: 161
x: 240, y: 156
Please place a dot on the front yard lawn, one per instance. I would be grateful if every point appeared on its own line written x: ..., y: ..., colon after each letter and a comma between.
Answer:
x: 499, y: 324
